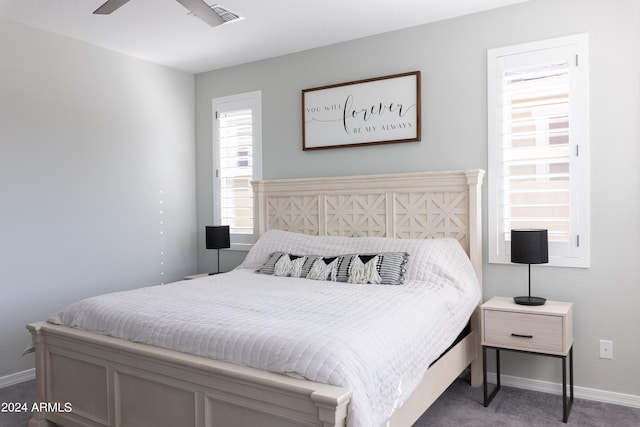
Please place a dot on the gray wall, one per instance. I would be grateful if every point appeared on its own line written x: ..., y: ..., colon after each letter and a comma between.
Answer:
x: 88, y: 140
x: 452, y: 57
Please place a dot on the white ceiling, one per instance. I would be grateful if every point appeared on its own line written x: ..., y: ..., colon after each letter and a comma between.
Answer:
x: 163, y: 31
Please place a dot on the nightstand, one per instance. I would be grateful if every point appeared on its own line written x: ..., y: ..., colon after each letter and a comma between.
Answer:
x: 545, y: 329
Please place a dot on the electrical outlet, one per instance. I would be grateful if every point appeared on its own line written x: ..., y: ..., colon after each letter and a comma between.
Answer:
x: 606, y: 349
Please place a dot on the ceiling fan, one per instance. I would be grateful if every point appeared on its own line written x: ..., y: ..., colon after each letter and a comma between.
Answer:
x: 212, y: 15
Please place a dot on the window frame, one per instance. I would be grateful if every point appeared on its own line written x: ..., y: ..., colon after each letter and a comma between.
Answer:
x: 578, y: 254
x: 251, y: 100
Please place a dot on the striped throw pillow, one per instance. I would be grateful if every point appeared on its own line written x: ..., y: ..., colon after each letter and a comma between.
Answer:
x: 390, y: 267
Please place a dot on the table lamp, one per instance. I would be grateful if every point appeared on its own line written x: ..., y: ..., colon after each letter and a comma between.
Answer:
x: 529, y: 246
x: 217, y: 237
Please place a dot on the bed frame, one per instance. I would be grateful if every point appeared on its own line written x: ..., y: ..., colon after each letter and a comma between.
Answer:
x: 87, y: 379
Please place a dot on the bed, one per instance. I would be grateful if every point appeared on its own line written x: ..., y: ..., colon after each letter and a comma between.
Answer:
x: 111, y: 381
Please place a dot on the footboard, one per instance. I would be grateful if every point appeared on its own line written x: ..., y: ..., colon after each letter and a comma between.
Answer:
x: 87, y: 379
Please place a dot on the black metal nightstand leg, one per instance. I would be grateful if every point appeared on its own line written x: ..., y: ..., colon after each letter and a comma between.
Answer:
x: 489, y: 397
x: 567, y: 404
x: 571, y: 372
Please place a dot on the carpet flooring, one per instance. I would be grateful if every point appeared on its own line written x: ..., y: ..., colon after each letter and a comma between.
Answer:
x: 460, y: 406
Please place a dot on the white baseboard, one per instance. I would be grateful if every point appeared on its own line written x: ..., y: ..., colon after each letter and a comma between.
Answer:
x: 579, y: 392
x: 18, y: 377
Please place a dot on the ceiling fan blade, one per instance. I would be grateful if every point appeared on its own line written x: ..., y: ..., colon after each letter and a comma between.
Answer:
x: 202, y: 10
x: 109, y: 7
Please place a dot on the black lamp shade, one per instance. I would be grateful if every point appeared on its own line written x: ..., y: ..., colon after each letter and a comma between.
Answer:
x: 217, y: 236
x: 529, y: 246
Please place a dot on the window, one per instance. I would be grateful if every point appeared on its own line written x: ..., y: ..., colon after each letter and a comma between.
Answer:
x: 238, y: 161
x: 538, y: 134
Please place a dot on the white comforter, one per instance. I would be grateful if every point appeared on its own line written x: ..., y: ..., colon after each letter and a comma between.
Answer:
x: 376, y: 340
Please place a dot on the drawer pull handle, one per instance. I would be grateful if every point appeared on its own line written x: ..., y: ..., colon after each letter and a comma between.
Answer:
x: 521, y: 336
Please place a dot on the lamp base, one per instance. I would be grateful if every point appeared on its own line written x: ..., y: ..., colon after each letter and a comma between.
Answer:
x: 529, y: 300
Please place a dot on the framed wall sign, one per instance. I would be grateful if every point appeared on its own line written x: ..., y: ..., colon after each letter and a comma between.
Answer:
x: 381, y: 110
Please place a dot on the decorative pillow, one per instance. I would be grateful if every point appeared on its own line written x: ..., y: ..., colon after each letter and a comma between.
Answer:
x: 325, y: 269
x: 289, y: 265
x: 269, y: 267
x: 389, y: 266
x: 364, y: 269
x: 386, y: 268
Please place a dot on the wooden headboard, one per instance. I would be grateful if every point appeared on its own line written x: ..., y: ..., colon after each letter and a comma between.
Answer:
x: 408, y: 205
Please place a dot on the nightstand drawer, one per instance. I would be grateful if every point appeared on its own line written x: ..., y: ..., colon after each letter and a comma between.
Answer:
x: 533, y: 332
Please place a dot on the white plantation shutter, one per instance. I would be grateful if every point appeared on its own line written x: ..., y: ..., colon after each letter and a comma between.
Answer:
x: 236, y: 172
x: 538, y: 145
x: 536, y: 161
x: 237, y: 152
